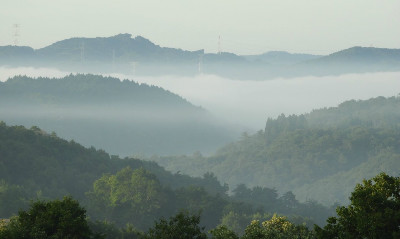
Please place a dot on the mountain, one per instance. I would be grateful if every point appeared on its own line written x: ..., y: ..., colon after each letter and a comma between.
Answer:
x: 366, y: 55
x: 139, y: 56
x: 353, y: 60
x: 282, y: 58
x: 122, y: 117
x: 119, y: 48
x: 319, y: 155
x: 119, y: 53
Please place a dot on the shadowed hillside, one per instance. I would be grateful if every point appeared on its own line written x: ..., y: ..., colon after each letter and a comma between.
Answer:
x: 123, y: 118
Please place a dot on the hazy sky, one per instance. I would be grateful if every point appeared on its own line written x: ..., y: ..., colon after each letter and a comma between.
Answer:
x: 245, y: 27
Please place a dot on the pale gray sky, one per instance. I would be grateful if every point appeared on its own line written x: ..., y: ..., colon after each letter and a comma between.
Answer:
x: 245, y: 27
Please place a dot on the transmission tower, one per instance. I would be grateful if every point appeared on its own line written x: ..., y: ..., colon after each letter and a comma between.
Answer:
x: 16, y: 33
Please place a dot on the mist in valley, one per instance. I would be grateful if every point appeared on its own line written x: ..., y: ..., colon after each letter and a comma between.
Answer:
x: 249, y: 103
x: 199, y: 119
x: 246, y: 105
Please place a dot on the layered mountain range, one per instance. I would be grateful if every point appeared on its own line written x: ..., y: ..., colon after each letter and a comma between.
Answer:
x: 137, y: 55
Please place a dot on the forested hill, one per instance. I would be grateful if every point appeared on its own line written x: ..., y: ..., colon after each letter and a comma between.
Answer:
x: 377, y: 112
x: 37, y: 165
x: 121, y: 117
x: 87, y: 89
x: 318, y: 155
x: 40, y: 161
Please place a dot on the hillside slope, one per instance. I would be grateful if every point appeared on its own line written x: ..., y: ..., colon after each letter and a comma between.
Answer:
x: 319, y: 155
x: 121, y: 117
x: 37, y: 165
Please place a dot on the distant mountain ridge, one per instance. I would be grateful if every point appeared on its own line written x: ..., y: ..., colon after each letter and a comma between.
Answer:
x: 364, y: 54
x: 119, y: 48
x: 281, y: 57
x: 138, y: 55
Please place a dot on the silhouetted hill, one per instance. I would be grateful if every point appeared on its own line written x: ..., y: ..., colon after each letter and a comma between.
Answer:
x: 122, y: 117
x: 280, y: 58
x: 121, y: 48
x: 138, y: 55
x: 354, y: 60
x: 370, y: 55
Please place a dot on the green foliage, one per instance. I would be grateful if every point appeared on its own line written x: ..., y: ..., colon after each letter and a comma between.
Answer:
x: 374, y: 211
x: 316, y: 155
x: 276, y: 228
x: 180, y: 226
x: 196, y: 199
x: 58, y: 219
x: 12, y: 199
x: 53, y: 167
x: 138, y: 188
x: 129, y: 195
x: 222, y: 232
x: 238, y: 221
x: 107, y: 230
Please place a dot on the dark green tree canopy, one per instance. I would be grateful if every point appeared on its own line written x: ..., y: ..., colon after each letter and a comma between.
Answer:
x: 58, y: 219
x: 180, y: 226
x: 374, y: 211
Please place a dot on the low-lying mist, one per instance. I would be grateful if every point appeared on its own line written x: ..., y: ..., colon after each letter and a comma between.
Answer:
x: 249, y: 103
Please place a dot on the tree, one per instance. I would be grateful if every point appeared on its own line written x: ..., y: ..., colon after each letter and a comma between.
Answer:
x: 276, y: 228
x: 12, y: 198
x: 374, y: 211
x: 58, y: 219
x: 137, y: 188
x: 180, y: 226
x: 222, y: 232
x: 128, y: 196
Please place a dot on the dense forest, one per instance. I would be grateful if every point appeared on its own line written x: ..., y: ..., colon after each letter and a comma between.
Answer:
x: 372, y: 213
x: 121, y: 117
x: 317, y: 156
x: 41, y: 166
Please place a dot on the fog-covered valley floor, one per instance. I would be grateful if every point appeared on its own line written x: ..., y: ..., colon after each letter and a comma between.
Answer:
x: 247, y: 104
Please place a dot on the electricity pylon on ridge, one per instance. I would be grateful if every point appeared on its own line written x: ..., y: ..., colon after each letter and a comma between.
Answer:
x: 16, y: 27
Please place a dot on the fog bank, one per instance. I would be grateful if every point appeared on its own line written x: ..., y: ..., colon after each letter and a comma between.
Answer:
x: 250, y: 103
